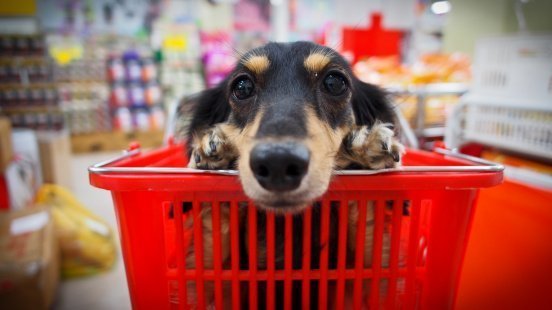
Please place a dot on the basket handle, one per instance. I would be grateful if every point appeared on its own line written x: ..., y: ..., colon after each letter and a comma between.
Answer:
x: 479, y: 165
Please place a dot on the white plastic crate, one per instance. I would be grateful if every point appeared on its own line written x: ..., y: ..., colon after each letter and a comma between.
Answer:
x: 523, y: 130
x: 509, y: 105
x: 519, y: 129
x: 517, y: 66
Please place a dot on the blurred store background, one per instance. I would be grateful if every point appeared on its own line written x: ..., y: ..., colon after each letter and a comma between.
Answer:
x: 80, y: 80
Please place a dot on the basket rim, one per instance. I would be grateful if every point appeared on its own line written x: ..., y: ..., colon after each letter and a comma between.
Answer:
x: 480, y: 165
x: 466, y: 173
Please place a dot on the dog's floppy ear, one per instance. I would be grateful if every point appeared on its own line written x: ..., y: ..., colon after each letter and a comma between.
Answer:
x: 200, y: 111
x: 207, y: 109
x: 371, y: 103
x: 211, y: 107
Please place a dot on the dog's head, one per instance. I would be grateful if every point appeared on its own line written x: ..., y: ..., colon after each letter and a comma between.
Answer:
x: 288, y: 108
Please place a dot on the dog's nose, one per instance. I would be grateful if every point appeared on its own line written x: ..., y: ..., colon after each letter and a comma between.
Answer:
x: 279, y: 166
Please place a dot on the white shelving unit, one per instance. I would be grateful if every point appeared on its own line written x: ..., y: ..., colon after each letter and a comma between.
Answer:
x: 509, y: 106
x: 422, y: 93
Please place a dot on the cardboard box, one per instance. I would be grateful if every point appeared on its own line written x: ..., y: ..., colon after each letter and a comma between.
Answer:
x: 29, y: 259
x: 25, y: 149
x: 23, y: 176
x: 55, y: 157
x: 6, y: 149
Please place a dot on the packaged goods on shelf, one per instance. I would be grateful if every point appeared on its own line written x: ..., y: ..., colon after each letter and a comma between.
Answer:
x: 24, y: 69
x: 429, y: 69
x: 99, y: 83
x: 81, y: 70
x: 181, y: 71
x: 35, y: 95
x: 85, y: 106
x: 425, y: 91
x: 80, y: 77
x: 22, y: 45
x: 135, y: 96
x: 28, y: 93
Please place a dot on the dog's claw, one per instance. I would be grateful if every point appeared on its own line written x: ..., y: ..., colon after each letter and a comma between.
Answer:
x: 396, y: 156
x: 213, y: 147
x: 212, y: 151
x: 375, y: 148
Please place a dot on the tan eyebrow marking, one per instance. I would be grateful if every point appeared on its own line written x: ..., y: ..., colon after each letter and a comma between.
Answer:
x: 315, y: 62
x: 257, y: 63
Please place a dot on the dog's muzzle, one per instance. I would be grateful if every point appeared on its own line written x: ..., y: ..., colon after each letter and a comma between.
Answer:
x: 279, y: 166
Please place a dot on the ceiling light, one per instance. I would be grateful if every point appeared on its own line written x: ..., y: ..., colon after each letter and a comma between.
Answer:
x: 440, y: 7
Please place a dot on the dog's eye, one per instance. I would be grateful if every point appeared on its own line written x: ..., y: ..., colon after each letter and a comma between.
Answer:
x: 243, y: 88
x: 335, y: 84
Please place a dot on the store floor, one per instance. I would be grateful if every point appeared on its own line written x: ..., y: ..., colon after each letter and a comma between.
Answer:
x: 108, y: 290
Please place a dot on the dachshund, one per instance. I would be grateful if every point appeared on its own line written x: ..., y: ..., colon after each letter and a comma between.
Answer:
x: 286, y: 118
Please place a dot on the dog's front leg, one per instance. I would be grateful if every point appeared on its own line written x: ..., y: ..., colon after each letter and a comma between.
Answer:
x: 212, y: 149
x: 370, y: 148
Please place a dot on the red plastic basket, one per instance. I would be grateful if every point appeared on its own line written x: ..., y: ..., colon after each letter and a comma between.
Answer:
x: 421, y: 215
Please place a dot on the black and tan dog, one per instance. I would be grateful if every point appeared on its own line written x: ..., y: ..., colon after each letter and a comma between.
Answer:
x: 286, y: 118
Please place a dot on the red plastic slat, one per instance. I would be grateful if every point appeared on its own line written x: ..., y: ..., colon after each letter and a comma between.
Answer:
x: 324, y: 244
x: 181, y: 252
x: 359, y: 253
x: 342, y: 252
x: 217, y: 253
x: 425, y: 221
x: 235, y: 253
x: 170, y: 251
x: 288, y: 255
x: 305, y: 296
x: 395, y: 251
x: 376, y: 253
x: 413, y: 243
x: 252, y: 217
x: 198, y: 249
x: 270, y: 253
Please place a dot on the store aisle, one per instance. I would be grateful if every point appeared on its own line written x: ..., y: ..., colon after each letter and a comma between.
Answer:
x: 108, y: 290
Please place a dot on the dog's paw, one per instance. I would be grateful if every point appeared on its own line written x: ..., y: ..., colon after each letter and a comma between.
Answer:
x: 212, y: 151
x: 375, y: 147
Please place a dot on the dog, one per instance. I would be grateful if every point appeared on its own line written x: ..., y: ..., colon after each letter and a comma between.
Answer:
x: 286, y: 118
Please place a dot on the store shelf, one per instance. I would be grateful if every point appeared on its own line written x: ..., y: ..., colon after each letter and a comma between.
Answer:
x: 421, y: 129
x: 433, y: 132
x: 519, y: 147
x: 115, y: 141
x: 430, y: 89
x: 519, y: 103
x: 31, y: 109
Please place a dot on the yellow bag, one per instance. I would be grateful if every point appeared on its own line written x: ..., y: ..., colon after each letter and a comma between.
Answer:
x: 86, y: 241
